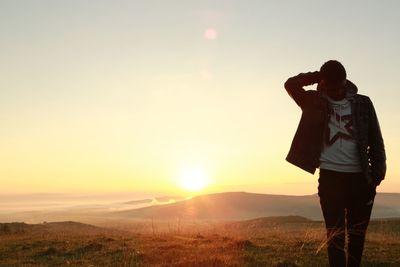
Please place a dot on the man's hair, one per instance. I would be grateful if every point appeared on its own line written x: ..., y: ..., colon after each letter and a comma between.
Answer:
x: 332, y: 72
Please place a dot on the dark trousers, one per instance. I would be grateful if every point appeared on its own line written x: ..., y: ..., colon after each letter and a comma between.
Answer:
x: 346, y: 201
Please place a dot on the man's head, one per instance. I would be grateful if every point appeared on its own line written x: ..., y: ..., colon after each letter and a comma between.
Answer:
x: 333, y: 79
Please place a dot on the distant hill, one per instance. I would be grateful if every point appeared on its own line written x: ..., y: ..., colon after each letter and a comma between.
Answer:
x: 268, y: 222
x: 243, y: 206
x: 67, y: 227
x: 276, y: 220
x: 140, y: 201
x: 163, y: 199
x: 386, y: 205
x: 217, y: 206
x: 231, y: 206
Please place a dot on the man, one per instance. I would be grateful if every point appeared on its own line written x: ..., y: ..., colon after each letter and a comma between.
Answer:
x: 339, y: 133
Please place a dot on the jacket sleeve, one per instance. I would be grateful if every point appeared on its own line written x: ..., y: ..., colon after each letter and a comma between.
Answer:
x: 294, y: 86
x: 376, y: 151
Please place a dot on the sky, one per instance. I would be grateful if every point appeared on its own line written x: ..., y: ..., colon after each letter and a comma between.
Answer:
x: 162, y: 96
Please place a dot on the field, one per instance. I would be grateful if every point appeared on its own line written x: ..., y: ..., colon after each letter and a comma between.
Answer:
x: 279, y: 241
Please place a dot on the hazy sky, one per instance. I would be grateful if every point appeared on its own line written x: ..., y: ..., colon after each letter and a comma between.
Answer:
x: 128, y: 95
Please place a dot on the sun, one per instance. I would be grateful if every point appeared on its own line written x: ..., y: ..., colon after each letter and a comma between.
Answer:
x: 193, y: 179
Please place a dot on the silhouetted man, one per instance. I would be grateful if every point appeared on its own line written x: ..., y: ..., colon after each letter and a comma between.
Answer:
x: 339, y: 133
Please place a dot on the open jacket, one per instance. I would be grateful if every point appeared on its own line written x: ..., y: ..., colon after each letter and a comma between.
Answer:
x: 306, y: 147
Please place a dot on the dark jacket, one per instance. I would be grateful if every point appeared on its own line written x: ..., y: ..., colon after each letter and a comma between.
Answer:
x: 307, y: 143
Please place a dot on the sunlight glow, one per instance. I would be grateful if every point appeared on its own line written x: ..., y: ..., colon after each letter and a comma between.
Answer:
x: 210, y: 34
x: 193, y: 179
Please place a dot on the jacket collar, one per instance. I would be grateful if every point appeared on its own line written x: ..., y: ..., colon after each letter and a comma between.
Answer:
x: 351, y: 90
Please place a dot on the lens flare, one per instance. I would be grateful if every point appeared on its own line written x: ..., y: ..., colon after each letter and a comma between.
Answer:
x: 211, y: 34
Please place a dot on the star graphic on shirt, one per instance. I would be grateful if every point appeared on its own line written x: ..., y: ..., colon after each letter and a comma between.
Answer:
x: 331, y: 138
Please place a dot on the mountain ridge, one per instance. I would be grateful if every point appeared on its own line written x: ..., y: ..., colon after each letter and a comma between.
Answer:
x: 240, y: 205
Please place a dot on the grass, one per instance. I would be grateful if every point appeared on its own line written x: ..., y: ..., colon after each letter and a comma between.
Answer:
x: 189, y: 243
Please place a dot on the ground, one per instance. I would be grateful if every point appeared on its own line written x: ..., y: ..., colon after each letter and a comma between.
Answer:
x: 280, y: 242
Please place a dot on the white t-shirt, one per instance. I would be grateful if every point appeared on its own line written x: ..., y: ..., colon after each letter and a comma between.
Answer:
x: 340, y: 151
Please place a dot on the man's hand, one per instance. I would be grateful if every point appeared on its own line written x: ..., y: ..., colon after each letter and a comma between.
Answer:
x: 294, y: 85
x: 310, y: 78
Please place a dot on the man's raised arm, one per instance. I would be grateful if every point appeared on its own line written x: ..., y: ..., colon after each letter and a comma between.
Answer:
x: 294, y: 85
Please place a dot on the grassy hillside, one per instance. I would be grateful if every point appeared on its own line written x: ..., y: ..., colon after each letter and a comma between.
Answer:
x: 277, y: 241
x: 64, y: 244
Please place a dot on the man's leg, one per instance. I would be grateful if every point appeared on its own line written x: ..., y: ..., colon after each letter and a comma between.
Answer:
x: 331, y: 196
x: 358, y: 216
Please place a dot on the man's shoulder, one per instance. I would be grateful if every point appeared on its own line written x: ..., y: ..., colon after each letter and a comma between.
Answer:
x: 362, y: 98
